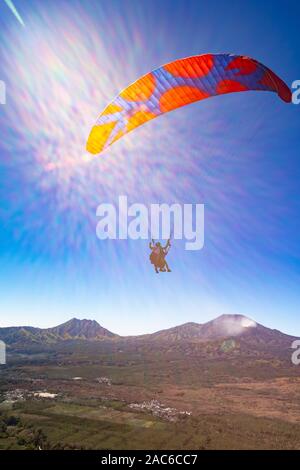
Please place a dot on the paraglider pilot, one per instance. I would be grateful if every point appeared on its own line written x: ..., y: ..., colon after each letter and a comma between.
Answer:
x: 158, y: 256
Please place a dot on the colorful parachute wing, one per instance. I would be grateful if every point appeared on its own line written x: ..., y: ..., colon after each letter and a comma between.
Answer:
x: 177, y: 84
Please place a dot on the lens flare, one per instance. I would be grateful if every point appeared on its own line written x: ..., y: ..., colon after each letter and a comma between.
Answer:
x: 58, y: 75
x: 12, y: 7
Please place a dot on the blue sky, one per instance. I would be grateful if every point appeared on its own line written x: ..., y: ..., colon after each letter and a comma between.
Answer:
x: 237, y: 154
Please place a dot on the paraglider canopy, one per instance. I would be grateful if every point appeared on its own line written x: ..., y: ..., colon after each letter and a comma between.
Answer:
x: 177, y: 84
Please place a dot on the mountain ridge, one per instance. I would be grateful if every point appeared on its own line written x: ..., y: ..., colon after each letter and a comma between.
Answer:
x: 69, y: 330
x: 223, y: 327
